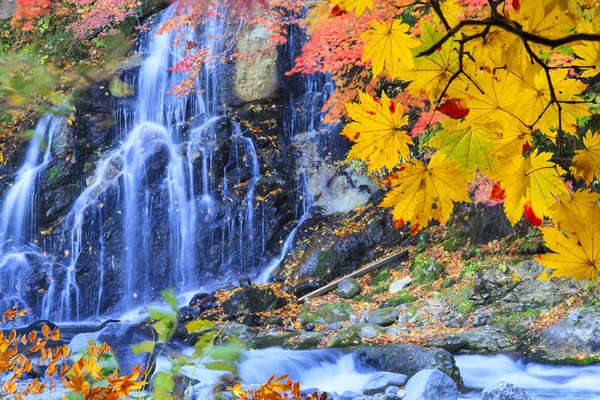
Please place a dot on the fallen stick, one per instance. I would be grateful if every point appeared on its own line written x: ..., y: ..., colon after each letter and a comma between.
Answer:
x: 360, y: 272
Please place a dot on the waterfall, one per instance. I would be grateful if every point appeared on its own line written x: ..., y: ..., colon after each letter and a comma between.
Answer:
x: 171, y: 203
x: 20, y: 259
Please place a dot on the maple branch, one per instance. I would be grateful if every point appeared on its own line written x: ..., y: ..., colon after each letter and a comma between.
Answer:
x: 504, y: 24
x: 435, y: 4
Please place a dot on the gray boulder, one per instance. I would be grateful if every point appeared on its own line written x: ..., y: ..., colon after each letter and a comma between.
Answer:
x: 575, y: 335
x: 431, y: 384
x: 379, y: 382
x: 399, y: 285
x: 384, y: 316
x: 505, y: 391
x: 354, y: 334
x: 348, y: 288
x: 349, y: 395
x: 406, y: 359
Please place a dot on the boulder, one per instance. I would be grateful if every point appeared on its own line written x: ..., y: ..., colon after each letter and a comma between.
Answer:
x: 400, y: 285
x: 406, y: 359
x: 348, y: 288
x: 349, y: 395
x: 380, y: 381
x: 326, y: 314
x: 431, y: 384
x: 505, y: 391
x: 574, y: 340
x: 485, y: 340
x: 251, y: 300
x: 203, y: 301
x: 354, y: 334
x: 256, y: 78
x: 308, y: 286
x: 384, y: 316
x: 120, y: 337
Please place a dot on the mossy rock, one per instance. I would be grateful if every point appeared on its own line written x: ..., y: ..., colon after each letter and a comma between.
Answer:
x: 399, y: 298
x: 306, y: 341
x: 354, y: 334
x: 326, y: 313
x: 277, y: 340
x: 425, y: 270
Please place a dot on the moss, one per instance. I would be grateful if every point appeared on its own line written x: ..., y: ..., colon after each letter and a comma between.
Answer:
x: 399, y: 298
x: 425, y: 270
x: 305, y: 341
x: 363, y: 298
x: 516, y: 323
x: 278, y: 340
x: 325, y: 261
x: 459, y: 299
x: 454, y: 240
x: 54, y: 172
x: 381, y: 277
x: 325, y: 314
x: 382, y: 288
x: 353, y: 335
x: 470, y: 269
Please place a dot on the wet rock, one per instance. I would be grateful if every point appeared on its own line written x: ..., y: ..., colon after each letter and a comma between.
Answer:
x: 354, y: 334
x: 505, y: 391
x: 251, y: 320
x: 306, y: 341
x: 326, y: 313
x: 309, y: 327
x: 120, y: 336
x: 334, y: 326
x: 487, y: 223
x: 384, y: 316
x: 350, y: 395
x: 380, y: 381
x: 252, y: 300
x: 406, y: 359
x: 203, y: 301
x: 431, y: 384
x: 276, y: 340
x: 400, y: 285
x: 486, y: 340
x: 348, y: 288
x: 308, y: 286
x: 187, y: 314
x: 574, y: 340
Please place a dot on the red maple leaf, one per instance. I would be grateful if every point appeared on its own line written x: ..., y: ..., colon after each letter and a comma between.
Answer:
x: 454, y: 109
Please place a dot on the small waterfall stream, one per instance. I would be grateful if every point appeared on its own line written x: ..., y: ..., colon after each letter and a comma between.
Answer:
x: 20, y: 260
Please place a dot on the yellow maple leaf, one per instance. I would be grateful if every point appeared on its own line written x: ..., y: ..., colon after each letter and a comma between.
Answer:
x: 535, y: 179
x: 509, y: 140
x: 423, y: 192
x: 587, y: 161
x: 431, y: 73
x: 377, y: 132
x: 544, y: 18
x: 534, y: 106
x: 569, y: 211
x: 359, y: 6
x: 466, y: 144
x: 588, y: 52
x: 388, y: 44
x: 576, y: 254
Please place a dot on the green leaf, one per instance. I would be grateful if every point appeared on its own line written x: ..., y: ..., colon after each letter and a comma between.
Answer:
x: 74, y: 396
x: 143, y: 347
x: 199, y: 326
x: 221, y: 366
x: 227, y: 352
x: 162, y: 313
x: 163, y: 385
x: 169, y: 298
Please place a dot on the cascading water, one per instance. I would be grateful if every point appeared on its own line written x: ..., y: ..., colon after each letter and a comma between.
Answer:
x: 20, y: 260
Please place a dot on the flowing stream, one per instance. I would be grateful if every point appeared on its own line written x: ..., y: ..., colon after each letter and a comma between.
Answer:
x: 543, y: 382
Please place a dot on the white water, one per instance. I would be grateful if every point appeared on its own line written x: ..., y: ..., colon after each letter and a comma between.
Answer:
x: 17, y: 221
x: 544, y: 382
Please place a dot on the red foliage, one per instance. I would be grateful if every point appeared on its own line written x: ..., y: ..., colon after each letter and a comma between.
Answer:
x: 530, y: 215
x: 454, y: 109
x: 30, y: 10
